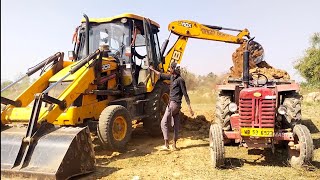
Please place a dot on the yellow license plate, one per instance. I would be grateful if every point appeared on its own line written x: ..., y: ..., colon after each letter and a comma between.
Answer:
x: 258, y: 132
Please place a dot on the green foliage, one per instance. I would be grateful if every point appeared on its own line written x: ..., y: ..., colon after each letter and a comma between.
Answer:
x: 306, y: 87
x: 190, y: 79
x: 201, y: 89
x: 5, y: 84
x: 309, y: 64
x: 199, y: 83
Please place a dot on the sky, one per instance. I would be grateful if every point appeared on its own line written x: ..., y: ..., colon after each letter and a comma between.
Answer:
x: 35, y: 29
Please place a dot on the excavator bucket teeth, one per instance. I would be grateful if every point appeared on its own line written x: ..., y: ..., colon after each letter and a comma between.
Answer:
x: 59, y: 154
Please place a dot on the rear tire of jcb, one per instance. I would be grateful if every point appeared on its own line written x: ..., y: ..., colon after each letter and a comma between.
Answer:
x: 156, y: 107
x: 216, y: 145
x: 111, y: 117
x: 223, y: 113
x: 293, y: 104
x: 3, y: 126
x: 304, y: 155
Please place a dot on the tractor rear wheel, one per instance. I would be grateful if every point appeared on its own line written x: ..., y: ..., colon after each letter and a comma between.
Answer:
x: 155, y: 108
x: 293, y: 104
x: 223, y: 113
x: 216, y: 145
x: 302, y: 150
x: 115, y: 127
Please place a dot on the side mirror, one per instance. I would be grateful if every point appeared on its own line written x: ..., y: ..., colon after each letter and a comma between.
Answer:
x: 163, y: 49
x: 71, y: 55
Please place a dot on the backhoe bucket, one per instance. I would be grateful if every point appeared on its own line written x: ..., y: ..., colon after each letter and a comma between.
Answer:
x: 58, y: 154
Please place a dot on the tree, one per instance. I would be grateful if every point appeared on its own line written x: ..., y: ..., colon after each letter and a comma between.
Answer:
x: 5, y: 83
x: 17, y: 88
x: 309, y: 65
x: 190, y: 79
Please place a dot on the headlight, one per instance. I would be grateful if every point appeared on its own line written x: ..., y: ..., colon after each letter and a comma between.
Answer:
x: 124, y: 20
x: 233, y: 107
x: 282, y: 110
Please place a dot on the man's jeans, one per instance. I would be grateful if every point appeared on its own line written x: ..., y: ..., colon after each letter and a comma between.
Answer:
x: 171, y: 115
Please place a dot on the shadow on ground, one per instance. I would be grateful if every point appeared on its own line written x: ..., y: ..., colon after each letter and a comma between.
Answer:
x: 310, y: 125
x: 316, y: 143
x: 266, y: 158
x: 100, y: 172
x: 142, y: 144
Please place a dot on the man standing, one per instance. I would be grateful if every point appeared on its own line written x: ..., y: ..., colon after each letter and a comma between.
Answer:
x: 177, y: 90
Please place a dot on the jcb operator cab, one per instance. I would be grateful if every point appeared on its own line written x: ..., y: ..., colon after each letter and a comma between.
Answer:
x: 129, y: 40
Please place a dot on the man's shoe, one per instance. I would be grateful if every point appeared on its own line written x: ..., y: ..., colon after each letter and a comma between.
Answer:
x: 175, y: 148
x: 164, y: 148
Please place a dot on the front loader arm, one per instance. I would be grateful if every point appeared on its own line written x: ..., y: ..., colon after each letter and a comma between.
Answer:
x: 29, y: 153
x: 70, y: 94
x: 41, y: 83
x: 189, y: 29
x: 85, y: 76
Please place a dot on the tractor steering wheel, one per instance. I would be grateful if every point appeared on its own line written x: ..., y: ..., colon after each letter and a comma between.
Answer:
x: 258, y: 79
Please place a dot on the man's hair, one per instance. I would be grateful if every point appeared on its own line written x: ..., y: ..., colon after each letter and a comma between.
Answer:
x: 175, y: 67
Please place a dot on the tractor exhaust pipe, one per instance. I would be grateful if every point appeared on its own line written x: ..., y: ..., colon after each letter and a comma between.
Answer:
x: 86, y: 50
x: 246, y: 54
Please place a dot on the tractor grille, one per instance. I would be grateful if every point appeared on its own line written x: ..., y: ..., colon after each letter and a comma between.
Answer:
x: 257, y: 113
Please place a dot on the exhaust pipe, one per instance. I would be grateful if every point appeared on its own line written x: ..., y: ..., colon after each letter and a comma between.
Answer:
x: 246, y: 54
x: 164, y: 47
x: 87, y: 35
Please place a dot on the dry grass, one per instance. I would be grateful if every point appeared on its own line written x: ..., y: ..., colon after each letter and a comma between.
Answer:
x: 143, y: 160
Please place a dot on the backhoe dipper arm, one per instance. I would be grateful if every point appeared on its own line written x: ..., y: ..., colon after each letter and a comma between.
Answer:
x: 189, y: 29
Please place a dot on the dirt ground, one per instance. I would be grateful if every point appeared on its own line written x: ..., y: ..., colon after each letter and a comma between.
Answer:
x: 144, y: 160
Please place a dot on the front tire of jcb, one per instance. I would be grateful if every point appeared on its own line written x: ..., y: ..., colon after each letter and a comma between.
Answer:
x: 302, y: 155
x: 156, y: 107
x: 216, y: 145
x: 115, y: 127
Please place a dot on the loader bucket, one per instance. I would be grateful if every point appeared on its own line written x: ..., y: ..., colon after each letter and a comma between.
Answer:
x: 61, y: 153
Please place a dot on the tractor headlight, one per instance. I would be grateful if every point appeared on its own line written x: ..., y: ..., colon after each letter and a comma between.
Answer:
x: 282, y: 110
x: 233, y: 107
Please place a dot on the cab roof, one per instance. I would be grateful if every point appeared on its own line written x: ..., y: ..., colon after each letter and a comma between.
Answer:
x: 125, y: 15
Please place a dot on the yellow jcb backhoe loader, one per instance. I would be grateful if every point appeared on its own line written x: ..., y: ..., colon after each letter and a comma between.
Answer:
x: 102, y: 87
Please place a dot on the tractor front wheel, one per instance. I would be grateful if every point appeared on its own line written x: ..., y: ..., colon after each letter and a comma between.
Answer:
x: 293, y: 104
x: 216, y: 145
x: 223, y: 113
x: 115, y: 127
x: 301, y: 150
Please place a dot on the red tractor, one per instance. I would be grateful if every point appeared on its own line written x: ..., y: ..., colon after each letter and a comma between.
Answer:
x: 260, y: 113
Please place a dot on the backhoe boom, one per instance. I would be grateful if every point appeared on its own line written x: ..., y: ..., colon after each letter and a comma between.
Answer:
x: 189, y: 29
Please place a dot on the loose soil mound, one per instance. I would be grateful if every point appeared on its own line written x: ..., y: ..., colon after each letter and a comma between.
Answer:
x: 256, y: 53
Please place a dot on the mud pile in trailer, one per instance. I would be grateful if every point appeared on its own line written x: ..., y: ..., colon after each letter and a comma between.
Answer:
x: 256, y: 54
